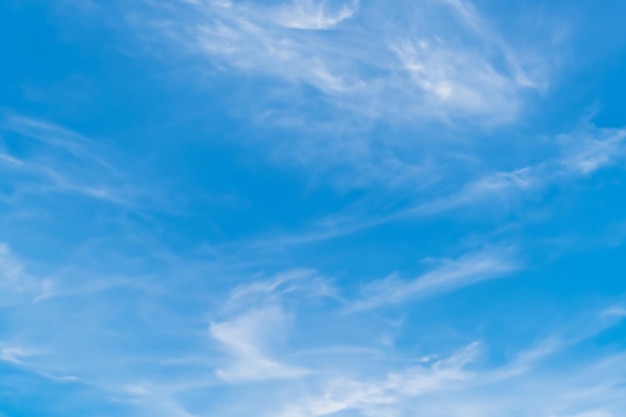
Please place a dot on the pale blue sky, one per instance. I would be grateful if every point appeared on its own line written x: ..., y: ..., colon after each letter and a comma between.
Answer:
x: 306, y: 208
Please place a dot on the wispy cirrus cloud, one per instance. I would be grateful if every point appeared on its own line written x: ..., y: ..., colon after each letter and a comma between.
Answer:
x: 14, y: 354
x: 307, y: 282
x: 15, y: 280
x: 246, y: 339
x: 579, y: 154
x: 373, y: 397
x: 43, y: 157
x: 252, y: 353
x: 172, y: 335
x: 448, y: 276
x: 371, y: 62
x: 40, y: 159
x: 430, y: 63
x: 256, y: 324
x: 313, y: 14
x: 460, y: 384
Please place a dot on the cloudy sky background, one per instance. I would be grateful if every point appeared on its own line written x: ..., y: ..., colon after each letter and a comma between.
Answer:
x: 304, y: 208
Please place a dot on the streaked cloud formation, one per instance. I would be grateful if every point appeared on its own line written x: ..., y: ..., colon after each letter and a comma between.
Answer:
x: 307, y: 208
x: 57, y: 160
x: 363, y: 58
x: 450, y: 275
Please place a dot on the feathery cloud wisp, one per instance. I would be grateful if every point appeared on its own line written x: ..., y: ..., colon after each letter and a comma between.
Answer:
x: 245, y: 339
x: 448, y: 276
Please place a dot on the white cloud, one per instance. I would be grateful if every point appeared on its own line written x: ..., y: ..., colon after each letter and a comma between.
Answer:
x: 593, y: 149
x: 257, y: 325
x: 13, y: 355
x: 615, y: 311
x: 453, y: 80
x: 315, y: 14
x: 306, y: 282
x: 406, y: 63
x: 344, y: 394
x: 448, y: 276
x: 458, y: 385
x: 494, y: 40
x: 14, y: 280
x: 60, y: 160
x: 583, y: 153
x: 10, y: 267
x: 247, y: 340
x: 376, y: 63
x: 595, y: 413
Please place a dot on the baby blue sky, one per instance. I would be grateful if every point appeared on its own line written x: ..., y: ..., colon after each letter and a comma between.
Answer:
x: 305, y: 208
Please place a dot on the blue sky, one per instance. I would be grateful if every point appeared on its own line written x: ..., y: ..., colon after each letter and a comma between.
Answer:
x: 305, y: 208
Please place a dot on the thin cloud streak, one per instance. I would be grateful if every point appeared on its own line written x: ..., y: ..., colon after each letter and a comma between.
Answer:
x: 583, y: 153
x: 470, y: 390
x: 61, y: 161
x: 314, y: 15
x: 450, y: 275
x: 16, y: 283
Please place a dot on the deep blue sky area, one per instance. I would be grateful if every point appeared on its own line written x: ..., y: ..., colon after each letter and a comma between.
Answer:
x: 308, y: 208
